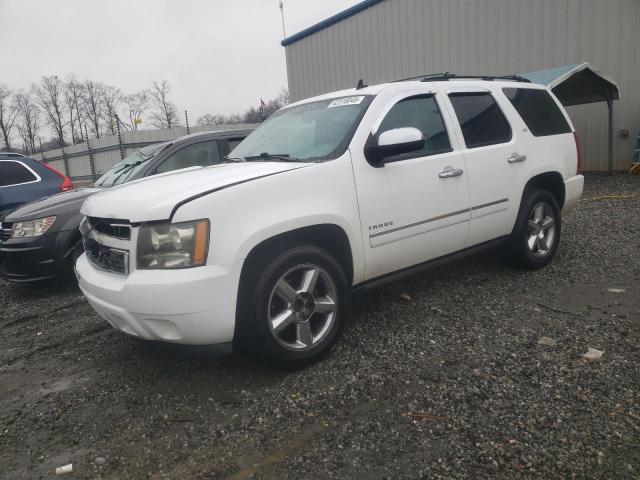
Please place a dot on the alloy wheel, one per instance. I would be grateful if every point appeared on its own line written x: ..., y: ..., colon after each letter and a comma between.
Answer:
x: 541, y: 231
x: 302, y: 307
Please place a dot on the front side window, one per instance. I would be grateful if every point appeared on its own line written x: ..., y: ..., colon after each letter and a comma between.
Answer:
x: 420, y: 112
x: 539, y: 111
x: 314, y: 131
x: 202, y: 154
x: 481, y: 119
x: 14, y: 173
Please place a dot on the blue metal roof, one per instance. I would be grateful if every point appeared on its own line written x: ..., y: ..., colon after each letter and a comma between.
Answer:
x: 329, y: 21
x: 547, y: 77
x: 576, y: 84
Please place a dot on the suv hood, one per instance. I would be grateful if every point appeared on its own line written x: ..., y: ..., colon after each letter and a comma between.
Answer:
x: 54, y: 205
x: 154, y: 198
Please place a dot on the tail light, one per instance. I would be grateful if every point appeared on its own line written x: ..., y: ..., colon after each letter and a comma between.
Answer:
x: 66, y: 184
x: 579, y: 150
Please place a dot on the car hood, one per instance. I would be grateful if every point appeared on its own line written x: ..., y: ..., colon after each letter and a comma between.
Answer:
x: 53, y: 205
x: 154, y: 198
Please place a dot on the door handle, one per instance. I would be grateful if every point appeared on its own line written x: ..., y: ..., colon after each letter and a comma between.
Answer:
x: 450, y: 172
x: 516, y: 158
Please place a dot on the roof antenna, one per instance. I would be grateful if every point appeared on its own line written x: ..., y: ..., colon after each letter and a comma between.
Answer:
x: 361, y: 85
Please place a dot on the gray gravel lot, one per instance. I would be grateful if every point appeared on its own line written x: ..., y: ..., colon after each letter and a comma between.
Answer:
x: 439, y: 376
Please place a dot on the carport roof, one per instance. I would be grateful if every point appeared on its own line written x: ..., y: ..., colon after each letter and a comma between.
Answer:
x: 576, y: 84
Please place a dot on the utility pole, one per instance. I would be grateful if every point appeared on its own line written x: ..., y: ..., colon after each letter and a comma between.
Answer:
x: 284, y: 33
x: 186, y: 119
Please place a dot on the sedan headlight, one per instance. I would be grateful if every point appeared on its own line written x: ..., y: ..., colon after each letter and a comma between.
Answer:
x: 32, y: 228
x: 173, y: 245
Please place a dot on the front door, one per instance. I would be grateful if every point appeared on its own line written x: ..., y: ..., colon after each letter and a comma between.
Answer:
x: 416, y: 207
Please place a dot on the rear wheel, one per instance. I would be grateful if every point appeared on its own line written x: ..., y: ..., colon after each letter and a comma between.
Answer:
x: 294, y: 316
x: 534, y: 240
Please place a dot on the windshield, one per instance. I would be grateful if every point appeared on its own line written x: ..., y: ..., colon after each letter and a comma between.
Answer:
x: 127, y: 168
x: 313, y: 131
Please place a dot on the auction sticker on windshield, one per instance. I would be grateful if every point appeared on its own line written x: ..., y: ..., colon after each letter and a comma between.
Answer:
x: 344, y: 101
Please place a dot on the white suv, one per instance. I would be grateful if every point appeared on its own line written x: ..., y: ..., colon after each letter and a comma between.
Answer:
x: 335, y: 192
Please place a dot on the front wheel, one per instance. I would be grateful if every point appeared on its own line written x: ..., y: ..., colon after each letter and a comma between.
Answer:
x: 295, y: 316
x: 534, y: 240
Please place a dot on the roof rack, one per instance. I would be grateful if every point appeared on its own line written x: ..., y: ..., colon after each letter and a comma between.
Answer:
x: 446, y: 76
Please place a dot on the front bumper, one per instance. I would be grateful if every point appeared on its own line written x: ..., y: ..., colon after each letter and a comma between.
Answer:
x: 195, y: 306
x: 573, y: 187
x: 32, y: 259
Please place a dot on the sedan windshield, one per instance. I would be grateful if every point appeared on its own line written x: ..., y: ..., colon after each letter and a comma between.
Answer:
x: 127, y: 168
x: 312, y: 131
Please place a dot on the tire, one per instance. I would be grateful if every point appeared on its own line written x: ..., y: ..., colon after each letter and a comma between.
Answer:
x: 536, y: 235
x: 291, y: 307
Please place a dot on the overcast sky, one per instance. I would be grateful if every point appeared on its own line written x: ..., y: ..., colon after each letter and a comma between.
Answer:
x: 220, y: 56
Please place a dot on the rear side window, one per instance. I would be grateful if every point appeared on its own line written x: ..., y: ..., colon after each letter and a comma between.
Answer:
x: 539, y: 111
x: 481, y: 119
x: 14, y: 173
x: 420, y: 112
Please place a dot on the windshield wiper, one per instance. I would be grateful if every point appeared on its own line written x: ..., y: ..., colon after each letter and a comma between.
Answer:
x: 232, y: 159
x: 125, y: 169
x: 283, y: 157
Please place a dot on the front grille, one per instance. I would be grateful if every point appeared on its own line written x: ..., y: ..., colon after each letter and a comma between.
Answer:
x: 106, y: 258
x: 111, y: 227
x: 5, y: 231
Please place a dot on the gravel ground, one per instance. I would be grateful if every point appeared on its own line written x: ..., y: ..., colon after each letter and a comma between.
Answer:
x: 440, y: 376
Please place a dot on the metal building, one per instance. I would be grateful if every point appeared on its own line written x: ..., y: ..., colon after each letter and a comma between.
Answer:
x: 384, y: 40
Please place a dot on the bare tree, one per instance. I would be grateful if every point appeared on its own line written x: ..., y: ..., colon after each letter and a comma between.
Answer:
x: 28, y: 122
x: 92, y: 105
x: 8, y: 114
x: 137, y: 104
x: 73, y: 101
x: 111, y: 99
x: 165, y: 114
x: 49, y: 95
x: 210, y: 119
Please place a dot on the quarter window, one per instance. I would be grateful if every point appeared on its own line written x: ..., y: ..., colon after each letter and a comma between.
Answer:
x: 420, y: 112
x: 14, y: 173
x: 539, y: 111
x: 200, y: 154
x: 481, y: 119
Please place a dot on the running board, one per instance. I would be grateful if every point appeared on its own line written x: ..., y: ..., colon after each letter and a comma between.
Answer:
x: 424, y: 267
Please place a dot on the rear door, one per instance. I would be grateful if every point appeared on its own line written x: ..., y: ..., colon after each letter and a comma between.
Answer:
x: 495, y: 159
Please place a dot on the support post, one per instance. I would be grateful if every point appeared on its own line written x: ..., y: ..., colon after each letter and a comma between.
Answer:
x: 41, y: 151
x: 65, y: 162
x: 92, y: 165
x: 119, y: 136
x: 186, y: 119
x: 610, y: 107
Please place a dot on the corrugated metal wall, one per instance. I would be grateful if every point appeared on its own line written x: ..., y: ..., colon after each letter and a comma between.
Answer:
x: 402, y: 38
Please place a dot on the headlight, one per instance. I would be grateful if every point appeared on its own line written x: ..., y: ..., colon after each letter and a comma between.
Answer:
x: 173, y: 245
x: 32, y: 228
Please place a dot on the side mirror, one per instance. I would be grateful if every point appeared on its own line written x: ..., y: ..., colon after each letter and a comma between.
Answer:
x: 394, y: 142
